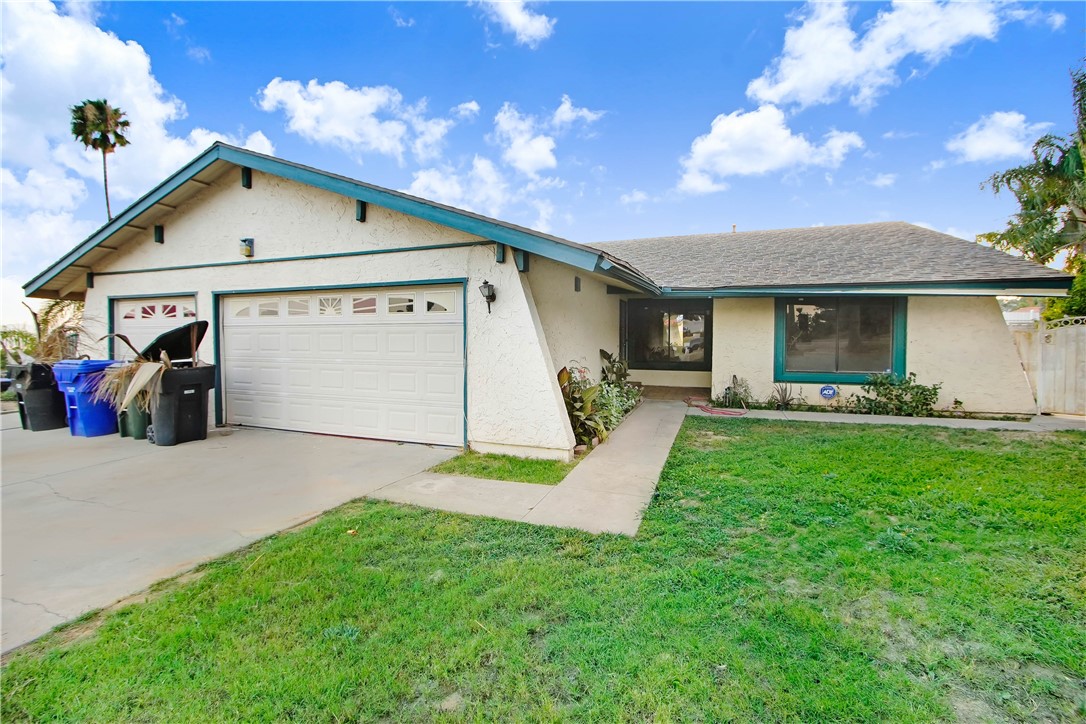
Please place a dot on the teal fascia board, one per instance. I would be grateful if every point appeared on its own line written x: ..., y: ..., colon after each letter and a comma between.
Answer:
x: 164, y: 189
x: 899, y: 344
x: 566, y: 253
x: 885, y: 290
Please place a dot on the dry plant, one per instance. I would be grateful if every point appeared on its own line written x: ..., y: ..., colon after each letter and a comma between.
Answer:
x: 136, y: 381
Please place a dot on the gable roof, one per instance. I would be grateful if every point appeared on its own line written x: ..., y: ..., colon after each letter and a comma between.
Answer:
x: 886, y: 254
x: 69, y: 272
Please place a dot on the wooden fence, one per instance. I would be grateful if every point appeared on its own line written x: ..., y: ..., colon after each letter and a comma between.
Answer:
x: 1054, y: 357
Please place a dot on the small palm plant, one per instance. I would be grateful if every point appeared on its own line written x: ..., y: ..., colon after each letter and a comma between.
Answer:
x: 100, y: 126
x: 128, y: 382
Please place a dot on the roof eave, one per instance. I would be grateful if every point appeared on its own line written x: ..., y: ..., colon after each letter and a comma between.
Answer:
x: 569, y: 253
x: 1044, y: 286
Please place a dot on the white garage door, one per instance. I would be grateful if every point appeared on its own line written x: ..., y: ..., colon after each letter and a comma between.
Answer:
x: 384, y: 363
x: 141, y: 320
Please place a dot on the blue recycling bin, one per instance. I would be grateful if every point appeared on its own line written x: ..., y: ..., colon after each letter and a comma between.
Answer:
x: 86, y: 418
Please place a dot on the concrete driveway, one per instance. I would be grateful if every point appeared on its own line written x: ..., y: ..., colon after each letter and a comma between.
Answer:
x: 88, y: 521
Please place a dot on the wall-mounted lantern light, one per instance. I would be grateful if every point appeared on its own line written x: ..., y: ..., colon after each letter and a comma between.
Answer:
x: 247, y: 248
x: 487, y: 290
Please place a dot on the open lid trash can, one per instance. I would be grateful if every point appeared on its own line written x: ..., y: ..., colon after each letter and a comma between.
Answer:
x: 179, y: 408
x: 76, y: 379
x: 41, y: 403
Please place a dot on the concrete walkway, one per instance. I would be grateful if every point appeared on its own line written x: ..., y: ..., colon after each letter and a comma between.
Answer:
x: 1039, y: 423
x: 606, y: 493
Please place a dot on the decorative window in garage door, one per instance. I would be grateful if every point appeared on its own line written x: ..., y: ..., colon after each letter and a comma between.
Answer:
x: 157, y: 310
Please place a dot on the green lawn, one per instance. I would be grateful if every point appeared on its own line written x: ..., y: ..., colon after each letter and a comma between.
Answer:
x: 506, y: 467
x: 784, y: 571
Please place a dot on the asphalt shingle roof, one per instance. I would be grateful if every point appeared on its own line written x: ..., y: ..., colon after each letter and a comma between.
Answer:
x: 891, y: 252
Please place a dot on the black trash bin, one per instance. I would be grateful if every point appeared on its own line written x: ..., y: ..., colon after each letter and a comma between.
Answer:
x: 41, y: 403
x: 179, y: 410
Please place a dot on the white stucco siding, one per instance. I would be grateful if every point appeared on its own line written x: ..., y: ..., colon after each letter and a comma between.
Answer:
x: 743, y: 344
x: 964, y: 343
x: 513, y: 398
x: 577, y: 325
x: 959, y: 342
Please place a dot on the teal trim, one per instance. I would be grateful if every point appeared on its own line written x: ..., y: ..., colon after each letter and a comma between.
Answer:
x: 90, y: 280
x: 464, y: 302
x: 111, y: 314
x: 885, y: 290
x: 160, y: 234
x: 332, y: 287
x: 310, y: 257
x: 551, y: 247
x: 521, y: 259
x: 216, y: 337
x: 246, y: 178
x: 780, y: 343
x: 167, y: 187
x: 360, y: 211
x: 499, y: 253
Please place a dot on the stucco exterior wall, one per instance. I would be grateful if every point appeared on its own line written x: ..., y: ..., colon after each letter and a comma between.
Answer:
x: 964, y: 343
x: 576, y: 324
x: 961, y: 342
x: 513, y: 399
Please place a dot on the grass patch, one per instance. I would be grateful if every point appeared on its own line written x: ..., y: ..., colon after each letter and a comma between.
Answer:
x: 506, y: 467
x: 784, y: 572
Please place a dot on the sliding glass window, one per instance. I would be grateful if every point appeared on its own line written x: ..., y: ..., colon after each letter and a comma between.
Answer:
x: 669, y: 334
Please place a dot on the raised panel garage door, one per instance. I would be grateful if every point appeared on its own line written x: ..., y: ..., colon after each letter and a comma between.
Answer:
x: 384, y: 363
x: 141, y: 320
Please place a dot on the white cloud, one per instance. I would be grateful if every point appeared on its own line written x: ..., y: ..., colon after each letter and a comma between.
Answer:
x: 527, y: 141
x: 899, y: 135
x: 567, y: 114
x: 369, y: 119
x: 883, y: 180
x: 12, y: 311
x: 824, y: 59
x: 400, y: 20
x: 1033, y: 16
x: 545, y: 210
x: 466, y: 110
x: 758, y: 142
x: 48, y: 189
x: 482, y: 188
x: 529, y: 28
x: 998, y: 136
x: 525, y: 150
x: 633, y: 198
x: 50, y: 61
x: 359, y: 119
x: 174, y: 25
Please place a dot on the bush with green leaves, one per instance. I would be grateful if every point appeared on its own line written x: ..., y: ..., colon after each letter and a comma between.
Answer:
x: 894, y: 395
x: 614, y: 402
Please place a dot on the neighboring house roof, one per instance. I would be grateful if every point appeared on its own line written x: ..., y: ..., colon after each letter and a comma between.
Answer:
x: 881, y: 254
x: 66, y: 277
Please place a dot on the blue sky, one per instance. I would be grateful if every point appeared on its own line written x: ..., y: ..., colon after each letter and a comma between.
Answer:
x: 592, y: 121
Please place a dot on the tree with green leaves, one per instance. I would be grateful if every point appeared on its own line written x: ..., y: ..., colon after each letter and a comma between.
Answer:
x: 100, y: 126
x: 1051, y: 194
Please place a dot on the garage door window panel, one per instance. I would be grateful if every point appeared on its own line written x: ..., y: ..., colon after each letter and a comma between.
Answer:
x: 330, y: 306
x: 298, y: 307
x: 364, y: 304
x: 440, y: 302
x: 401, y: 303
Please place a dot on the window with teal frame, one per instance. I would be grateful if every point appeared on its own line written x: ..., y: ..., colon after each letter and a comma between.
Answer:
x: 838, y: 339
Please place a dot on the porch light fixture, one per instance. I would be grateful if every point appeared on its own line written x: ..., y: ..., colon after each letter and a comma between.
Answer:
x: 487, y: 290
x: 247, y: 248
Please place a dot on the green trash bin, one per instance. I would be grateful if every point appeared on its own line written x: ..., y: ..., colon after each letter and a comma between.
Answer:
x: 133, y: 422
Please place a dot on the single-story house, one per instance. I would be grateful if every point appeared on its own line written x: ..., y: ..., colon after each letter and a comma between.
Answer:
x: 340, y: 307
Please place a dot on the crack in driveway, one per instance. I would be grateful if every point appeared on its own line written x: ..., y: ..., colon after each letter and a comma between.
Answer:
x: 37, y: 605
x: 83, y: 500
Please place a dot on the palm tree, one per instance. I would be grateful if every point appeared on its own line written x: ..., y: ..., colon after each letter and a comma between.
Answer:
x: 1051, y: 193
x: 102, y: 127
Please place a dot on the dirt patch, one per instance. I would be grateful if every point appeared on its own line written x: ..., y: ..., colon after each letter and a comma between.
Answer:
x: 971, y: 710
x: 709, y: 440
